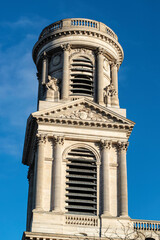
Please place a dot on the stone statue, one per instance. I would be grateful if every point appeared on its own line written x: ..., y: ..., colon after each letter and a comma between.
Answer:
x: 52, y: 90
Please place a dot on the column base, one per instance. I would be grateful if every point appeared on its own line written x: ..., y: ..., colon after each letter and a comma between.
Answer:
x: 106, y: 214
x: 38, y: 209
x: 125, y: 216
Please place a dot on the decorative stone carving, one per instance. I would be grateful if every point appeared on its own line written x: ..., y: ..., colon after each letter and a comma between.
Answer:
x: 110, y: 95
x: 58, y: 140
x: 66, y: 47
x: 110, y: 90
x: 85, y: 114
x: 52, y: 90
x: 44, y: 55
x: 100, y: 51
x: 80, y: 220
x: 105, y: 144
x: 83, y: 51
x: 52, y: 84
x: 41, y: 139
x: 123, y: 146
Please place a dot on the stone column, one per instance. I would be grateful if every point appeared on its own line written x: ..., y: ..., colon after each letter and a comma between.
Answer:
x: 105, y: 148
x: 123, y: 194
x: 65, y: 77
x: 100, y: 80
x: 44, y: 68
x: 114, y: 71
x: 41, y: 140
x: 56, y: 174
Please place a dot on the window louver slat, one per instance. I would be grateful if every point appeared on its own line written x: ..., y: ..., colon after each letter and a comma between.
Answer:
x: 81, y: 77
x: 81, y: 184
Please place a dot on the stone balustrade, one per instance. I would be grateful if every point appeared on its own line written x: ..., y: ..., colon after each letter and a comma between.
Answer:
x: 80, y: 23
x: 146, y: 225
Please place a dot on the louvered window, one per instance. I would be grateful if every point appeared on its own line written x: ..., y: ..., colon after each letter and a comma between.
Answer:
x: 81, y: 77
x: 81, y: 182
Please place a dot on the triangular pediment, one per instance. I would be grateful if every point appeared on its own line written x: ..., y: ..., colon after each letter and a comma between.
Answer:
x: 83, y: 110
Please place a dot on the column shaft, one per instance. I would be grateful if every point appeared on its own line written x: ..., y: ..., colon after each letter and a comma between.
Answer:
x: 40, y: 173
x: 123, y: 193
x: 44, y: 68
x: 56, y: 175
x: 114, y: 71
x: 106, y: 145
x: 65, y: 78
x: 100, y: 80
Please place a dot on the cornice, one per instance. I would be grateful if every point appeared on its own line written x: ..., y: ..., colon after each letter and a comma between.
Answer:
x: 82, y: 124
x: 91, y: 33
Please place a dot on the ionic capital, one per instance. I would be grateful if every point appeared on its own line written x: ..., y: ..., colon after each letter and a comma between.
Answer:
x: 100, y: 51
x: 105, y: 144
x: 66, y: 47
x: 123, y: 146
x: 44, y: 56
x: 114, y: 64
x: 41, y: 139
x: 58, y: 140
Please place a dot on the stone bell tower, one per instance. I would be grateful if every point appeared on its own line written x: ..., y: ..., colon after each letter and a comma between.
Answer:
x: 76, y: 142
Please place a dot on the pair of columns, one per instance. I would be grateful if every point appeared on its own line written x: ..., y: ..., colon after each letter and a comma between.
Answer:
x: 100, y: 77
x: 65, y: 75
x: 122, y: 178
x: 56, y: 173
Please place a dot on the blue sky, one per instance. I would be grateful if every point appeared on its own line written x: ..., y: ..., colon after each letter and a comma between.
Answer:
x: 137, y: 25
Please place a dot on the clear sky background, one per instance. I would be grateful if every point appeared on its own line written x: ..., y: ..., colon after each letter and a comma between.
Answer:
x: 137, y: 24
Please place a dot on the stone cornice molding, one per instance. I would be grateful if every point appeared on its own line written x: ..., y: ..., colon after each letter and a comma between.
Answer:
x: 80, y: 116
x: 122, y: 146
x: 105, y: 144
x: 60, y: 33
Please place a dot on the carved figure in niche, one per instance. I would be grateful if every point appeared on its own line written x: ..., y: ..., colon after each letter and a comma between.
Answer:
x: 52, y: 90
x: 109, y: 95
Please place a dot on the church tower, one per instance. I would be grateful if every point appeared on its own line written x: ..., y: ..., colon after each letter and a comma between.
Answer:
x: 76, y: 142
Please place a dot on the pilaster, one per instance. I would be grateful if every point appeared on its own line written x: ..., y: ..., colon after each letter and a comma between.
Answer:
x: 65, y: 78
x: 44, y: 68
x: 114, y: 74
x: 123, y: 193
x: 100, y: 80
x: 105, y: 148
x: 56, y: 174
x: 41, y: 140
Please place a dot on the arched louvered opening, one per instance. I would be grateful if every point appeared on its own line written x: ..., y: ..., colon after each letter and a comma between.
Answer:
x: 81, y: 77
x: 81, y: 182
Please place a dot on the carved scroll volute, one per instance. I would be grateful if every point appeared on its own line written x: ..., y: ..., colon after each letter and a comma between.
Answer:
x: 100, y: 51
x: 66, y: 47
x: 123, y: 146
x: 105, y: 144
x: 41, y: 139
x: 58, y: 140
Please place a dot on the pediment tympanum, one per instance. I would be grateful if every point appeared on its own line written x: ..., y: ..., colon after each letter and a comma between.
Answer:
x: 82, y: 111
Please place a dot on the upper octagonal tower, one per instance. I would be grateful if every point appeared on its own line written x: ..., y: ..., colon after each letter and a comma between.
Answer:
x: 78, y: 58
